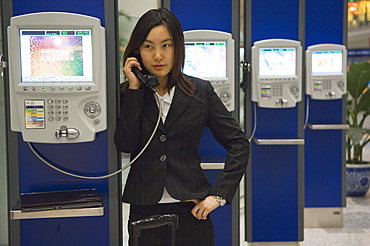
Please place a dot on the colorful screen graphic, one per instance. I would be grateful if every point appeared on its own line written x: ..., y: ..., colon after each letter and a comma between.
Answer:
x: 277, y: 62
x: 205, y: 59
x: 49, y: 56
x: 327, y: 62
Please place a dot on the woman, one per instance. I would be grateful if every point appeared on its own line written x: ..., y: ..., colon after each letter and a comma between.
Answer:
x: 167, y: 177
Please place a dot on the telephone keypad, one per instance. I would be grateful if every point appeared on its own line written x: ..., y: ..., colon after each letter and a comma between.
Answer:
x: 56, y: 108
x: 277, y: 90
x: 327, y: 84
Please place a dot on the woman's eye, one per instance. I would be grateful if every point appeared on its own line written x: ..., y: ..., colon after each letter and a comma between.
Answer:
x: 167, y: 45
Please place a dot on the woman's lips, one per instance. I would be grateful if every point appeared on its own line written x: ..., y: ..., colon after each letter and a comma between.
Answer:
x: 158, y: 66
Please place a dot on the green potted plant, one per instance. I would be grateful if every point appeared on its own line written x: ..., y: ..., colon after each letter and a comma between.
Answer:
x: 358, y: 109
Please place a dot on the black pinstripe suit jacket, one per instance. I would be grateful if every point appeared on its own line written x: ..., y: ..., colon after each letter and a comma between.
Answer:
x: 172, y: 159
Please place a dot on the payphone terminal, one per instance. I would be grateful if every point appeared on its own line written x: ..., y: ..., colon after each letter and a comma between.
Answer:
x: 326, y: 71
x: 277, y: 73
x: 209, y: 55
x: 57, y: 73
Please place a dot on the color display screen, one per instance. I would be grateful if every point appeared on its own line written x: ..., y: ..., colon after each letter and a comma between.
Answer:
x: 277, y: 62
x: 327, y: 62
x: 205, y: 59
x: 49, y: 56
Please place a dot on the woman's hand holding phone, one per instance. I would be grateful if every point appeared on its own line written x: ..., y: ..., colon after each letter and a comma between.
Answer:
x: 134, y: 82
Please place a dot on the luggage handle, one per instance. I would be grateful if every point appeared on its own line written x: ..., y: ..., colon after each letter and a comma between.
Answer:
x: 154, y: 221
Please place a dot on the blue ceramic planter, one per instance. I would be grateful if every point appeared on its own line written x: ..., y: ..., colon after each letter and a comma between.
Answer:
x: 358, y: 179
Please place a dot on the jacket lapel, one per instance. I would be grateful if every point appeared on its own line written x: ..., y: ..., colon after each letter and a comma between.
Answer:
x: 151, y: 108
x: 179, y: 103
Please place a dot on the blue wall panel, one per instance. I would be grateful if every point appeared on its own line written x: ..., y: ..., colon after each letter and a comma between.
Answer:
x: 275, y: 193
x: 323, y: 148
x: 275, y: 19
x: 275, y: 200
x: 195, y: 14
x: 94, y: 8
x: 88, y: 159
x: 324, y: 22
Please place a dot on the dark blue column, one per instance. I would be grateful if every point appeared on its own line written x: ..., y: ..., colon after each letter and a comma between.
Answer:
x: 324, y: 149
x: 89, y: 159
x: 274, y: 184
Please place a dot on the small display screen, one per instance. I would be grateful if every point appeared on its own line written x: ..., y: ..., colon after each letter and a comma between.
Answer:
x: 34, y: 114
x: 327, y: 62
x: 205, y: 59
x: 277, y: 61
x: 49, y: 55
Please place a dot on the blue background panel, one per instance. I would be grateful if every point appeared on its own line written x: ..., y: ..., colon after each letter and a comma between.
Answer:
x: 85, y: 158
x: 195, y: 14
x: 94, y: 8
x: 274, y: 193
x: 88, y: 159
x: 276, y: 123
x: 324, y: 21
x: 323, y: 172
x: 324, y: 176
x: 275, y: 19
x: 83, y: 231
x: 325, y: 111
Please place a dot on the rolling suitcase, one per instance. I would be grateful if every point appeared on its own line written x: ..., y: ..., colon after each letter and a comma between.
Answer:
x: 154, y: 221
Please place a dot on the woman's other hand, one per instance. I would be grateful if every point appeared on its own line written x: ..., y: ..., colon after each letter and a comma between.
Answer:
x: 203, y: 207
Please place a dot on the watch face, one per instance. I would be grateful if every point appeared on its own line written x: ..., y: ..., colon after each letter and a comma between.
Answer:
x: 220, y: 200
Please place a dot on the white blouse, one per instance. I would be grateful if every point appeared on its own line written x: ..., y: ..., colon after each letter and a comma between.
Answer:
x: 164, y: 103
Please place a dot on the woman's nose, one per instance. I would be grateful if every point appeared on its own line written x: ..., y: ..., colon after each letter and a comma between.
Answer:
x: 158, y: 56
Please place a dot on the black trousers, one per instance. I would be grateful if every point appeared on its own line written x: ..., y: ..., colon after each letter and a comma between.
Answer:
x: 191, y: 231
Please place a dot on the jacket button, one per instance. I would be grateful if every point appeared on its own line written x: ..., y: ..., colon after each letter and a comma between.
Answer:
x: 162, y: 138
x: 163, y: 157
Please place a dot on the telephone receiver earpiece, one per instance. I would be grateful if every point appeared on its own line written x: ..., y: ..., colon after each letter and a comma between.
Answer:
x: 148, y: 80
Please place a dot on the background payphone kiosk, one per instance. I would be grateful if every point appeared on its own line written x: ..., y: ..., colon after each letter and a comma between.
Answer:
x: 326, y: 71
x: 58, y: 103
x: 277, y: 73
x: 209, y: 55
x: 276, y: 80
x: 326, y: 77
x: 57, y: 82
x: 276, y: 166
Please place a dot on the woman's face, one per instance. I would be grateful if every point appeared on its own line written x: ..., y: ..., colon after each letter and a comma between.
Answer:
x: 157, y: 52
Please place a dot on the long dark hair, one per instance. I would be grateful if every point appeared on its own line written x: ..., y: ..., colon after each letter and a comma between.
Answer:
x: 157, y: 17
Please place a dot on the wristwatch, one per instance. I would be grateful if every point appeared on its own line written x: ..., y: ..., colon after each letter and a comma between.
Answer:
x: 220, y: 200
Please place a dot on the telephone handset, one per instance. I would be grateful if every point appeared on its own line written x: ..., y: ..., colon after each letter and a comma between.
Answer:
x: 148, y: 80
x: 144, y: 76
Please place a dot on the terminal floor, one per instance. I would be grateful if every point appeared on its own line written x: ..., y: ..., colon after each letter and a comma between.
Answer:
x: 356, y: 229
x: 355, y: 232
